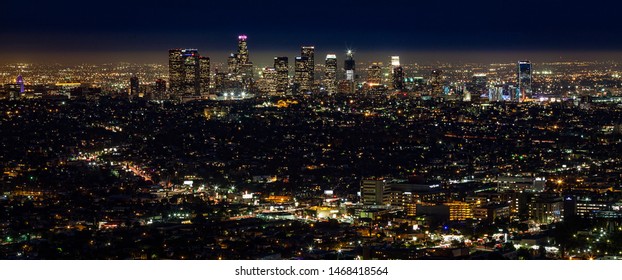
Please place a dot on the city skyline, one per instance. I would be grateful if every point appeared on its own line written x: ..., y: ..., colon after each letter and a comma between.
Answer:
x: 265, y: 58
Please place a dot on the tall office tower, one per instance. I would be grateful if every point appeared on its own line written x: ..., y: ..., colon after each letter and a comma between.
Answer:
x: 524, y: 80
x: 175, y: 70
x: 282, y: 80
x: 232, y: 64
x: 395, y: 61
x: 302, y: 76
x: 244, y: 68
x: 204, y: 74
x: 192, y: 67
x: 374, y: 74
x: 242, y: 50
x: 330, y: 73
x: 220, y: 79
x: 396, y: 73
x: 309, y: 53
x: 160, y: 88
x: 398, y: 78
x: 349, y: 66
x: 269, y: 80
x: 184, y: 71
x: 134, y: 86
x: 246, y: 74
x: 20, y: 81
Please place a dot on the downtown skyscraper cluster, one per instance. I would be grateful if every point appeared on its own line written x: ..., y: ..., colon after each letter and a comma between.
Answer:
x: 189, y: 72
x: 190, y: 77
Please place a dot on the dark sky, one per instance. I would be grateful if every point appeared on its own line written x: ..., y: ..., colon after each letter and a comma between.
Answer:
x: 30, y: 28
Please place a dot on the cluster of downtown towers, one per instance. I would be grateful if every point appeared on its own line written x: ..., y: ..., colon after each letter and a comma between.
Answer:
x: 190, y: 75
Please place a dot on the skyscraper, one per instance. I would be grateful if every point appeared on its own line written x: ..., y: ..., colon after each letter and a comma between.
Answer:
x: 398, y: 78
x: 220, y: 79
x: 524, y: 80
x: 330, y: 73
x: 308, y: 52
x: 397, y: 73
x: 185, y: 71
x: 204, y: 74
x: 282, y: 80
x: 134, y: 86
x: 242, y: 50
x: 395, y: 61
x: 191, y: 84
x: 232, y: 64
x: 244, y: 66
x: 349, y: 66
x: 302, y: 76
x: 374, y: 74
x: 20, y: 81
x: 268, y: 82
x: 175, y: 70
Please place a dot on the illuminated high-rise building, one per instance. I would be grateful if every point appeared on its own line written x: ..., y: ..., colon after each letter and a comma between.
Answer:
x: 330, y: 73
x: 349, y: 66
x: 20, y: 81
x: 398, y: 78
x: 308, y: 52
x: 184, y: 72
x: 232, y: 64
x: 395, y: 61
x: 192, y: 84
x: 175, y: 70
x: 204, y: 74
x: 220, y: 79
x: 134, y: 86
x: 524, y: 80
x: 244, y: 68
x: 246, y: 74
x: 242, y: 50
x: 374, y: 74
x: 282, y: 72
x: 396, y: 73
x: 269, y: 80
x: 302, y: 76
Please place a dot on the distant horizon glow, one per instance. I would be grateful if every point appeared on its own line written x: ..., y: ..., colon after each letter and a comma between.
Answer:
x: 262, y: 58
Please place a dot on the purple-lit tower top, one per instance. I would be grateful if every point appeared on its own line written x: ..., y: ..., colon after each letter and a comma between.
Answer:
x: 20, y: 82
x: 242, y: 50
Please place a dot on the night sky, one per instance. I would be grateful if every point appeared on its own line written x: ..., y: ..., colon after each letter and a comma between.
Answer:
x: 30, y: 28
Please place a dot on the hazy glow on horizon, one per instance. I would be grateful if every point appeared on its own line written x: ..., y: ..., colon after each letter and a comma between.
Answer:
x: 266, y: 58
